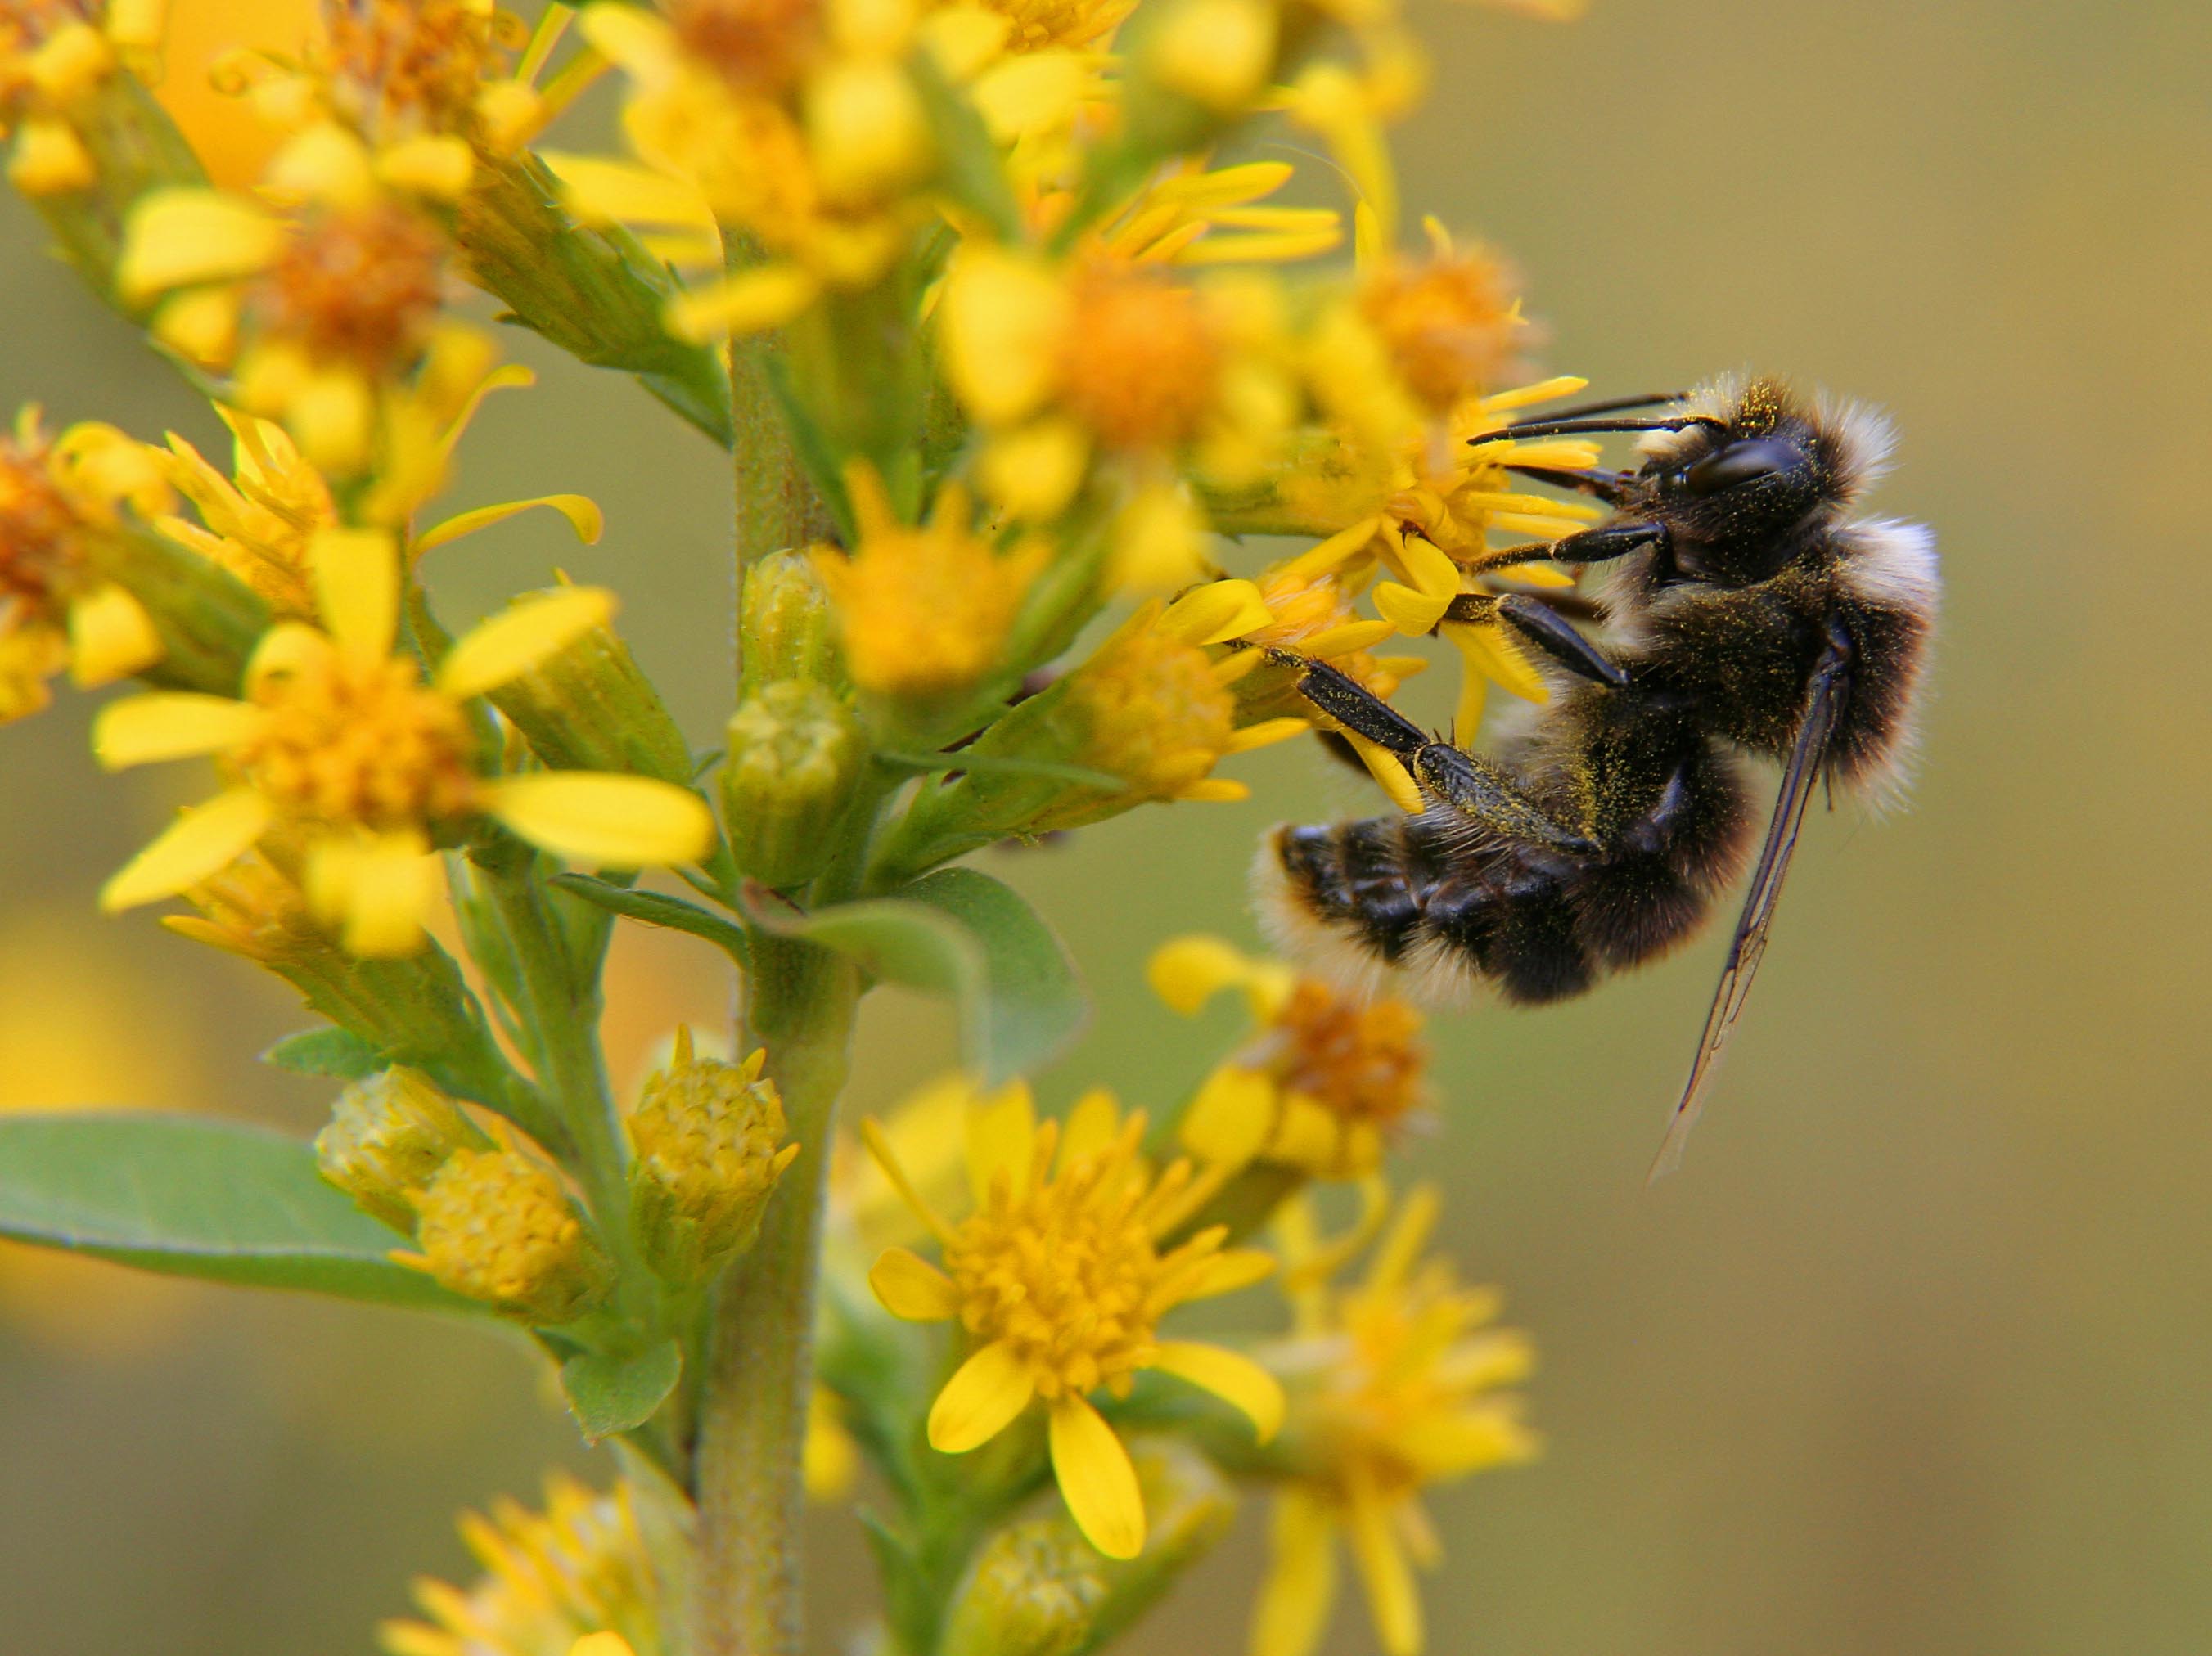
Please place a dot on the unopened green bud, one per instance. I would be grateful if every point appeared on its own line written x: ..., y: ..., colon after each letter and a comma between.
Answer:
x: 796, y: 753
x: 1037, y: 1588
x: 496, y: 1226
x: 791, y: 631
x: 586, y: 707
x: 709, y: 1138
x: 388, y: 1138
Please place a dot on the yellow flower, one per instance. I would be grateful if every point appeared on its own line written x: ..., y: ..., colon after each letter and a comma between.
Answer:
x: 340, y: 743
x: 1448, y: 322
x: 553, y: 1582
x: 1153, y: 708
x: 1393, y: 1384
x: 923, y: 612
x: 1323, y: 1082
x: 56, y: 609
x: 709, y: 1138
x: 1058, y: 1280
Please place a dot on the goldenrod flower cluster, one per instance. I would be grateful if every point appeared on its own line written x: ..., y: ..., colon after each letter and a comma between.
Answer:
x: 1011, y: 347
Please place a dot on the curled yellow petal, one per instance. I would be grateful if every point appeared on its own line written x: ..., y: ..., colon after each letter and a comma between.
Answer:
x: 1230, y: 1119
x: 197, y: 844
x: 512, y: 642
x: 1216, y: 612
x: 1234, y: 1378
x: 1187, y: 972
x: 143, y: 730
x: 911, y: 1287
x: 608, y: 821
x: 582, y: 513
x: 981, y: 1398
x: 1390, y: 771
x: 1096, y: 1478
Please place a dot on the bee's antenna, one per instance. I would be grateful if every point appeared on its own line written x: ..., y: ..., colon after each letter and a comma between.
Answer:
x: 1584, y: 410
x: 1591, y: 428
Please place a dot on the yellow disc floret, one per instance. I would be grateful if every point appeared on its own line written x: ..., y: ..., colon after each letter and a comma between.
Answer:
x: 1448, y: 323
x: 1141, y: 359
x: 496, y: 1226
x: 361, y: 740
x: 358, y: 287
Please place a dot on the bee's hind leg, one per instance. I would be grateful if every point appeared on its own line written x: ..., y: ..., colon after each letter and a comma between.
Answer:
x: 1475, y: 787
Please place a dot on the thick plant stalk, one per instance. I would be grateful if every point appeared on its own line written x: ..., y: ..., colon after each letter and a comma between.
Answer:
x: 752, y: 1423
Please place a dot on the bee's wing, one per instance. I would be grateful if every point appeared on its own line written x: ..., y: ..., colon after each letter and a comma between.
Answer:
x: 1824, y: 703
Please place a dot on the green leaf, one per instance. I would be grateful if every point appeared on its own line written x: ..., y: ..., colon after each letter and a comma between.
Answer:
x: 338, y: 1054
x: 655, y: 908
x: 213, y: 1200
x: 609, y: 1394
x: 961, y: 933
x: 978, y: 764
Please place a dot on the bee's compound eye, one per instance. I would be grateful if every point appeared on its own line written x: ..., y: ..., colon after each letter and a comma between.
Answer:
x: 1742, y: 462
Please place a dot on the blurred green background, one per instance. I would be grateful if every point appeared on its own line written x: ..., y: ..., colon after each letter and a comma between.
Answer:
x: 1913, y: 1356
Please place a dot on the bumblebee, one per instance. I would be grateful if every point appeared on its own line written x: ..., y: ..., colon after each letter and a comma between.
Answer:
x: 1749, y: 611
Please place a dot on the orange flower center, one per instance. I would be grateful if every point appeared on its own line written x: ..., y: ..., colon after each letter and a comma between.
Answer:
x: 1449, y: 323
x: 1064, y: 1273
x: 756, y: 46
x: 359, y: 287
x: 1360, y: 1062
x: 1140, y: 360
x: 41, y: 548
x: 362, y: 742
x: 426, y: 58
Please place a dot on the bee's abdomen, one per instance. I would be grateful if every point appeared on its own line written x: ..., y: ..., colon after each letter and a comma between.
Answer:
x: 1423, y: 905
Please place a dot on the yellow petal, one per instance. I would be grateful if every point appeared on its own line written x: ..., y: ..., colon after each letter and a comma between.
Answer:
x: 1390, y: 771
x: 1543, y: 391
x: 1216, y: 52
x: 51, y: 160
x: 376, y: 889
x: 1489, y: 653
x: 509, y: 643
x: 436, y: 166
x: 1092, y: 1126
x: 1158, y: 541
x: 1411, y: 612
x: 912, y: 1288
x: 1225, y: 1273
x: 582, y: 513
x: 1230, y: 1120
x: 1096, y: 1478
x: 1234, y: 1378
x: 1002, y: 317
x: 1187, y: 972
x: 1215, y: 789
x: 1473, y: 697
x: 608, y: 821
x: 1392, y: 1599
x: 197, y: 844
x: 1417, y: 1218
x: 1301, y: 1587
x: 356, y: 576
x: 1352, y: 636
x: 178, y: 237
x: 111, y: 637
x: 980, y: 1400
x: 1216, y: 612
x: 637, y: 40
x: 1267, y: 733
x: 750, y: 301
x: 599, y: 191
x: 1035, y: 92
x: 1001, y: 1138
x: 893, y: 1170
x: 143, y: 730
x: 605, y: 1643
x: 1034, y: 471
x: 290, y: 646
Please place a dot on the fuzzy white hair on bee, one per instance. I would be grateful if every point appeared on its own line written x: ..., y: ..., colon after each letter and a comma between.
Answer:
x: 1746, y: 612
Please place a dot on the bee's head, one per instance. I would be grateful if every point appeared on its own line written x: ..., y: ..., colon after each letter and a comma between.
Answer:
x: 1735, y: 487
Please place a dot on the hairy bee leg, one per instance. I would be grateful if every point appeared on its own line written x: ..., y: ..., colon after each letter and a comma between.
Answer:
x: 1473, y: 786
x: 1549, y: 632
x: 1611, y: 541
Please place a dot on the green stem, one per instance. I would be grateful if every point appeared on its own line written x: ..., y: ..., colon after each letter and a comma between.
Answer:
x: 752, y: 1419
x: 776, y: 507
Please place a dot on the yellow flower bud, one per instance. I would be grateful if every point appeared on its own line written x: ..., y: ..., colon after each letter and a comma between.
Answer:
x: 709, y: 1142
x: 1215, y: 52
x: 795, y: 754
x: 388, y: 1138
x: 496, y: 1226
x: 790, y: 629
x: 1038, y: 1588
